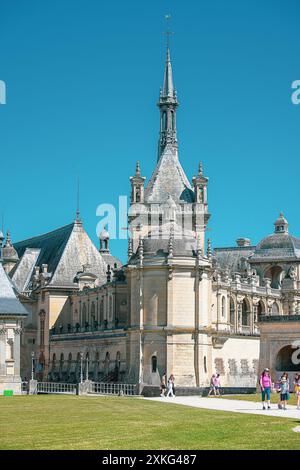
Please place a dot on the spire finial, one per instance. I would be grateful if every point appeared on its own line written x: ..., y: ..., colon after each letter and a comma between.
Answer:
x: 8, y: 239
x: 138, y: 169
x: 200, y: 170
x: 77, y: 202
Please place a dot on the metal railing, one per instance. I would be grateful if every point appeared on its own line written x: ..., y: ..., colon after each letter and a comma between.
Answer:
x: 102, y: 388
x: 56, y: 387
x: 25, y: 388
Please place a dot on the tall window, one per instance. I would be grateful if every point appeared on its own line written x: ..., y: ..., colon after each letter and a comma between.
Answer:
x: 42, y: 328
x: 231, y: 311
x: 223, y: 307
x: 154, y: 364
x: 84, y: 319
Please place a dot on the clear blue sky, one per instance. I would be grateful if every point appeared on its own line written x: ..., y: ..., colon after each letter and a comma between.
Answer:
x: 82, y: 84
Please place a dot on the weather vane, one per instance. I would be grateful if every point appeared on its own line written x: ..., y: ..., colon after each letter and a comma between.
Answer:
x: 168, y: 33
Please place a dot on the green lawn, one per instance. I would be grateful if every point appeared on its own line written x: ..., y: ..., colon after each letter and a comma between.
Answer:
x: 256, y: 397
x: 71, y: 422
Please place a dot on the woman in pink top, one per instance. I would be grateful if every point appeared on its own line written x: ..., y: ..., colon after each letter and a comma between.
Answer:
x: 265, y: 382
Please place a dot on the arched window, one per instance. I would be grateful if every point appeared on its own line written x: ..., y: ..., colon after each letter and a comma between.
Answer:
x: 61, y: 361
x: 164, y: 121
x: 173, y: 120
x: 275, y: 309
x: 245, y: 313
x: 42, y: 327
x: 154, y: 364
x: 106, y: 364
x: 101, y: 310
x: 84, y: 318
x: 93, y: 314
x: 232, y: 311
x: 260, y: 309
x: 69, y: 361
x: 53, y: 361
x: 223, y: 307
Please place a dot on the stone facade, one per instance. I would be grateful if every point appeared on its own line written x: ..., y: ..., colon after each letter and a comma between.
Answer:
x: 175, y: 306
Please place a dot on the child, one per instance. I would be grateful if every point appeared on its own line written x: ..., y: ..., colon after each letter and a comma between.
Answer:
x: 297, y: 389
x: 284, y: 391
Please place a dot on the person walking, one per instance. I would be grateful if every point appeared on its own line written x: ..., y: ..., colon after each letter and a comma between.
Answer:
x: 297, y: 389
x: 265, y: 382
x: 284, y: 391
x: 215, y: 385
x: 212, y: 385
x: 170, y: 387
x: 163, y: 385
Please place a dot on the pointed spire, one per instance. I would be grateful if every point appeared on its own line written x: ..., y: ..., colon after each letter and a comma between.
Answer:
x: 167, y: 104
x: 137, y: 169
x: 200, y: 170
x: 78, y: 219
x: 168, y: 88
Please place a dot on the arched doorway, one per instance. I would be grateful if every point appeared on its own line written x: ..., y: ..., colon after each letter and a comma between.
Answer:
x: 286, y: 359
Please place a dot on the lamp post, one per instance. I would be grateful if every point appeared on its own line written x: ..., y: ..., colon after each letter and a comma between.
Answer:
x: 32, y: 365
x: 81, y: 367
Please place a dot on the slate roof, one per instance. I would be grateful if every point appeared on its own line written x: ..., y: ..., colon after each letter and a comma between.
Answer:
x: 51, y: 245
x: 277, y: 246
x: 232, y: 258
x: 167, y: 179
x: 65, y: 251
x: 9, y: 303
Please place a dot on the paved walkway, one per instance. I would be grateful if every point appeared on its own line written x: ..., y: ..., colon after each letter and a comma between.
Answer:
x: 234, y: 406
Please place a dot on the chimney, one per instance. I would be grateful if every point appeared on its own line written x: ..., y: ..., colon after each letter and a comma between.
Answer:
x: 243, y: 242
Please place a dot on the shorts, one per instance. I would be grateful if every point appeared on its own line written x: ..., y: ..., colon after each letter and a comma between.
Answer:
x: 283, y: 396
x: 266, y: 394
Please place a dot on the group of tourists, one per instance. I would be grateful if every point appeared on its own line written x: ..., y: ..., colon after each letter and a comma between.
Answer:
x: 281, y: 386
x: 167, y: 388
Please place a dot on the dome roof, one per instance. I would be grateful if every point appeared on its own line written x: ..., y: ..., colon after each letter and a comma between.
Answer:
x: 278, y: 245
x: 156, y: 242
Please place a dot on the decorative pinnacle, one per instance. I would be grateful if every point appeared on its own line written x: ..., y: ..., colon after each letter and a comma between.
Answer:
x: 141, y: 249
x: 200, y: 170
x: 130, y: 248
x: 199, y: 249
x: 208, y: 252
x: 171, y: 239
x: 8, y: 239
x: 137, y: 169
